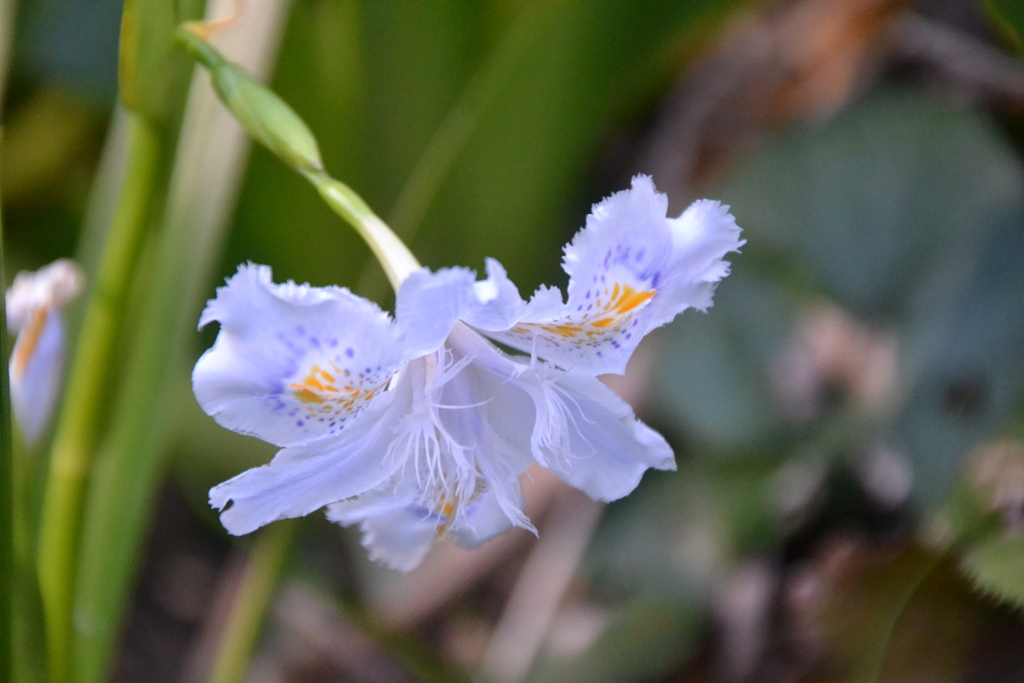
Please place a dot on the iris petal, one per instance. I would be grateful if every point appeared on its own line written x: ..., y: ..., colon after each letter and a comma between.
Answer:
x: 36, y: 370
x: 292, y: 363
x: 631, y: 269
x: 304, y: 478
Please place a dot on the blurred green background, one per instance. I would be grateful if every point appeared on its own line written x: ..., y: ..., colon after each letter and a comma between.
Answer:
x: 848, y: 419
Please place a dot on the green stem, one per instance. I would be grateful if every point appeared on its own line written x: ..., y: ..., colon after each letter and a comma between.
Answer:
x: 8, y: 489
x: 84, y: 402
x: 277, y: 127
x: 255, y: 593
x: 27, y: 632
x: 396, y: 259
x: 171, y: 281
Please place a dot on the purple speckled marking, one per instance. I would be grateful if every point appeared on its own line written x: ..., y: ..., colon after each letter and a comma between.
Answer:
x: 349, y: 353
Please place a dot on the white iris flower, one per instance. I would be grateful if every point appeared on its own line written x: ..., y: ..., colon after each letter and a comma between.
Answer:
x: 36, y: 366
x: 420, y: 426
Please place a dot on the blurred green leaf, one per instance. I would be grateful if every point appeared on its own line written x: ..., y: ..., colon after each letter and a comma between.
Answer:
x: 996, y: 567
x: 713, y: 373
x: 963, y: 356
x: 46, y: 141
x: 905, y: 211
x: 145, y: 48
x: 7, y: 567
x: 869, y: 201
x: 678, y: 532
x: 1009, y: 15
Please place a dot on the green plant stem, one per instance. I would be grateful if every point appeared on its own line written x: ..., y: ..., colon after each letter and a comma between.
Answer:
x: 27, y: 632
x: 396, y: 259
x: 171, y: 282
x: 254, y: 596
x: 7, y: 495
x: 82, y: 412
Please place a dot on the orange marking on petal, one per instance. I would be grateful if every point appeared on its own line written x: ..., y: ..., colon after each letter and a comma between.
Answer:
x: 29, y: 340
x: 603, y: 322
x: 567, y: 331
x: 305, y: 395
x: 632, y: 299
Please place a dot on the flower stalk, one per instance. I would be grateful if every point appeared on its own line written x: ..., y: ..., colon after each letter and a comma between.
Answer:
x: 7, y: 494
x: 277, y: 127
x: 81, y: 415
x: 255, y: 593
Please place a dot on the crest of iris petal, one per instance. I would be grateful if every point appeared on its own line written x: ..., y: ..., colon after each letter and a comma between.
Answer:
x: 419, y: 426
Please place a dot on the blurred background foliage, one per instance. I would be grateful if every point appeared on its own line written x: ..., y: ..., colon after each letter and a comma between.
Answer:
x: 848, y: 419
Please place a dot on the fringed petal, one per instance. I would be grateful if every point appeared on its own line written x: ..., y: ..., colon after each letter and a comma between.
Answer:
x: 631, y: 269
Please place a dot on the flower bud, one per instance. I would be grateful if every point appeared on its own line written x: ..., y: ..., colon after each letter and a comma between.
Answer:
x: 36, y: 366
x: 257, y: 108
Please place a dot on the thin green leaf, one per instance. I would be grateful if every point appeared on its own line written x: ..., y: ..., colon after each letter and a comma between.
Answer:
x: 84, y: 406
x: 254, y: 596
x: 6, y: 498
x: 127, y: 471
x: 145, y: 56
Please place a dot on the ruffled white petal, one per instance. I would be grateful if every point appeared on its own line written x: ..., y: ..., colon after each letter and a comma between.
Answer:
x: 485, y: 518
x: 631, y: 269
x: 590, y: 438
x: 292, y: 363
x: 572, y: 424
x: 304, y: 478
x: 36, y: 370
x: 396, y: 532
x: 495, y: 303
x: 399, y: 538
x: 428, y: 305
x: 399, y: 532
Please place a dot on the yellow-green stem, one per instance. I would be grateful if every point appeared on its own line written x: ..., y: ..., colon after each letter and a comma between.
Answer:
x: 255, y: 593
x: 396, y: 259
x: 82, y: 412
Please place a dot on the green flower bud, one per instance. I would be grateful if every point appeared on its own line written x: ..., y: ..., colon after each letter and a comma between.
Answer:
x: 257, y: 108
